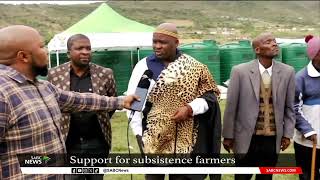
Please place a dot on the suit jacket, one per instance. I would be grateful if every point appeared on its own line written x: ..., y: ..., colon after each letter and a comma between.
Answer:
x: 102, y: 83
x: 242, y: 106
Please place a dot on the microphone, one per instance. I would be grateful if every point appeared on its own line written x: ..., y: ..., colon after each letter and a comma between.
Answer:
x: 142, y: 91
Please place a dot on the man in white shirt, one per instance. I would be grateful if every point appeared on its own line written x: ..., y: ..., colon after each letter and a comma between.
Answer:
x: 174, y: 106
x: 259, y: 116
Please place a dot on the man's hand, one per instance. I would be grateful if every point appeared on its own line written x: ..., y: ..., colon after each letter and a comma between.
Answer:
x: 228, y: 144
x: 313, y: 138
x: 285, y: 142
x: 182, y: 113
x: 128, y: 100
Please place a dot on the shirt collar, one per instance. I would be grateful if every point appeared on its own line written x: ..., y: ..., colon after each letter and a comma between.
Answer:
x: 15, y: 75
x: 312, y: 72
x: 85, y: 74
x: 262, y: 69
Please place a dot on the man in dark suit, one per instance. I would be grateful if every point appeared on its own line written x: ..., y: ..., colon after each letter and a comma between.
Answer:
x: 85, y: 132
x: 259, y: 116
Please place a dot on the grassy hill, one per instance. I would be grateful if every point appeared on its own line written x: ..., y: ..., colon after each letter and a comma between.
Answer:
x: 223, y: 21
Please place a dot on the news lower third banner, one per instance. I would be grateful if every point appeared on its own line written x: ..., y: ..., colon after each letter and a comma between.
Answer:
x: 161, y: 170
x: 148, y: 164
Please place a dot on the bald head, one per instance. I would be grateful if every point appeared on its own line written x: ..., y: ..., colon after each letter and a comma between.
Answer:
x: 259, y: 39
x: 13, y: 39
x: 169, y: 29
x: 265, y: 47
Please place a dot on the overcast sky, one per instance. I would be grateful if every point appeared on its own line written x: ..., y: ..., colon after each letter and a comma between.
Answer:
x: 48, y: 2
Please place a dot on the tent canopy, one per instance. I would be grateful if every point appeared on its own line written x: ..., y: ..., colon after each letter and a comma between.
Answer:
x: 105, y: 19
x: 106, y: 28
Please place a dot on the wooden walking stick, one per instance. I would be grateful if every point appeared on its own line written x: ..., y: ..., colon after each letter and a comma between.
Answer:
x: 313, y: 161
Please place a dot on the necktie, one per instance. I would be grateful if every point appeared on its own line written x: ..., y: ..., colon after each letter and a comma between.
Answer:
x: 266, y: 79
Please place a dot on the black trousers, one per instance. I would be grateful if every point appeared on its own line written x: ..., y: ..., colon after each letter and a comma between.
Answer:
x: 87, y: 146
x: 303, y: 156
x: 262, y: 152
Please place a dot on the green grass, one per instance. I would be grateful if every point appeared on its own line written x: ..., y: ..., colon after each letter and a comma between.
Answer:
x: 119, y: 123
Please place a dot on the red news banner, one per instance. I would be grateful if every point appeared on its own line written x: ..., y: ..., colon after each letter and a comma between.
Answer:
x: 280, y: 170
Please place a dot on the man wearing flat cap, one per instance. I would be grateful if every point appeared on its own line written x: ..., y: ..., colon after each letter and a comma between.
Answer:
x: 181, y: 115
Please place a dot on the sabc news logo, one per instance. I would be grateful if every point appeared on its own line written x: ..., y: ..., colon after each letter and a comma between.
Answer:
x: 37, y: 160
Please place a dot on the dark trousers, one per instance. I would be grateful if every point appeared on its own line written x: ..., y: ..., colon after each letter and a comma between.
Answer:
x: 85, y: 147
x: 175, y: 177
x: 262, y: 152
x: 303, y: 156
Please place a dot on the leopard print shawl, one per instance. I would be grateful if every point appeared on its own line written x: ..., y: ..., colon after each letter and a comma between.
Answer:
x: 184, y: 80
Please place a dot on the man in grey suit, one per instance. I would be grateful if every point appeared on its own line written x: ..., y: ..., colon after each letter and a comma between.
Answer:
x: 259, y: 116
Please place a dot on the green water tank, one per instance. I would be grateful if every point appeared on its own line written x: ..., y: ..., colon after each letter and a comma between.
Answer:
x: 144, y: 52
x: 207, y: 52
x: 140, y: 53
x: 121, y: 62
x: 63, y: 58
x: 279, y: 57
x: 295, y: 55
x: 232, y: 54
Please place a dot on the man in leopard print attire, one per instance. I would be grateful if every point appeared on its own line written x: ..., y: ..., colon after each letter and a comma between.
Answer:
x: 182, y: 113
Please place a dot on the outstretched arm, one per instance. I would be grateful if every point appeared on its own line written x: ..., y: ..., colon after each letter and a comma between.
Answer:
x: 75, y: 102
